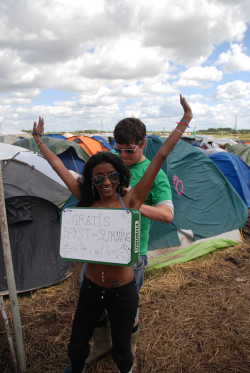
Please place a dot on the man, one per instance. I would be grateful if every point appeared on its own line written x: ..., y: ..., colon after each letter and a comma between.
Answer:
x: 130, y: 141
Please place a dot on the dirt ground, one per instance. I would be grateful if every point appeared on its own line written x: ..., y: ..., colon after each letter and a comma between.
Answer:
x: 194, y: 319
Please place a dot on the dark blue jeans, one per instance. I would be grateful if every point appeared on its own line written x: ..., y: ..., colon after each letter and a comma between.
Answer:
x: 121, y: 305
x: 138, y: 267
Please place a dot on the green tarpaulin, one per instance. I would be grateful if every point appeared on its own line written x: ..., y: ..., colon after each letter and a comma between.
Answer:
x: 189, y: 253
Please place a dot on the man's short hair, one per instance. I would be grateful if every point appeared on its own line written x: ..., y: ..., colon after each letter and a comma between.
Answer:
x: 129, y: 130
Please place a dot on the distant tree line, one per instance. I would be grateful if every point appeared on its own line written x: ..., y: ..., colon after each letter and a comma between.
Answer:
x: 225, y: 130
x: 61, y: 133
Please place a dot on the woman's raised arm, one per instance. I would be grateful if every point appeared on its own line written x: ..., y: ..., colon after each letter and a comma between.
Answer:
x: 139, y: 192
x: 54, y: 161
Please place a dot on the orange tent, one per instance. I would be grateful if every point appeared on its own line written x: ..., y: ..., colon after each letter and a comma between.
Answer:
x: 91, y: 146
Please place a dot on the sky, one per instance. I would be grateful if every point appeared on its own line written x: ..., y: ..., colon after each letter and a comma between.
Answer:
x: 86, y: 64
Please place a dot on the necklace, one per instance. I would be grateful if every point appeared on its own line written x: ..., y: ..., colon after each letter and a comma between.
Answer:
x: 102, y: 274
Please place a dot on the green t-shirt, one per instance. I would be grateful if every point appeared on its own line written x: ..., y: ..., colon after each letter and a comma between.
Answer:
x: 160, y: 191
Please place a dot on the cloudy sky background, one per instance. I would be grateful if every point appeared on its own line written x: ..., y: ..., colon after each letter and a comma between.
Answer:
x: 87, y: 64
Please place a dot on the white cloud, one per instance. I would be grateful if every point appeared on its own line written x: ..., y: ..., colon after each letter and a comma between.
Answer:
x: 218, y: 115
x: 15, y: 98
x: 188, y: 31
x: 127, y: 38
x: 233, y: 90
x: 202, y: 73
x: 126, y: 59
x: 196, y: 76
x: 15, y: 73
x: 48, y: 35
x: 234, y: 59
x: 115, y: 57
x: 187, y: 83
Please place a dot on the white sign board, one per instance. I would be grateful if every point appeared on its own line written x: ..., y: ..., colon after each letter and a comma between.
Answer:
x: 101, y: 235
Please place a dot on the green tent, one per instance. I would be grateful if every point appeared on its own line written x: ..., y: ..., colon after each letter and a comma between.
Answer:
x: 57, y: 146
x: 206, y: 205
x: 241, y: 150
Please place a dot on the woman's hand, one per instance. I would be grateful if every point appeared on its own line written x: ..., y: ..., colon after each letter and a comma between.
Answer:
x: 188, y: 115
x: 38, y: 129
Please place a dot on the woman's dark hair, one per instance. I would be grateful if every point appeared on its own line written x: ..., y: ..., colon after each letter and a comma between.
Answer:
x: 89, y: 194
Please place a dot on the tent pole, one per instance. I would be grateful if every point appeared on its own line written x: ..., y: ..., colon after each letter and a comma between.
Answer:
x: 11, y: 281
x: 7, y: 327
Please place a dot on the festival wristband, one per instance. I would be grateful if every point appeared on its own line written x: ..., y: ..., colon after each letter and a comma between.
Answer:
x: 178, y: 131
x: 183, y: 122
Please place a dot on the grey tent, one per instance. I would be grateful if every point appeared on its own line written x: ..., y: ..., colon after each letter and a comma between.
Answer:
x: 33, y: 193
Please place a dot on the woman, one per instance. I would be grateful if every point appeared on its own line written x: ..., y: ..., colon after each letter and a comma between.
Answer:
x: 106, y: 286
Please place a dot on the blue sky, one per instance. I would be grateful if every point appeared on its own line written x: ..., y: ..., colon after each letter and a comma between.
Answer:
x: 88, y: 64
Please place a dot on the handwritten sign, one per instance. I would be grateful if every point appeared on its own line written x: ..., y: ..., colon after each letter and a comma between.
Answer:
x: 98, y: 235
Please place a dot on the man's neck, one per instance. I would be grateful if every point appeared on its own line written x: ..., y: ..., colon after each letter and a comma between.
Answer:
x: 141, y: 159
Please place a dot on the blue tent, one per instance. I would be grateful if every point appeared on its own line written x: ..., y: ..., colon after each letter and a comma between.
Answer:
x: 236, y: 171
x: 56, y: 136
x: 71, y: 161
x: 112, y: 143
x: 104, y: 142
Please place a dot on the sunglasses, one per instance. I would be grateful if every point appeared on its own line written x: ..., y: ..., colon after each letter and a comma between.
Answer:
x: 112, y: 176
x: 127, y: 151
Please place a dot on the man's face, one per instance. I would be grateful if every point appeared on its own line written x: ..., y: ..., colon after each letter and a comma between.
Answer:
x: 131, y: 157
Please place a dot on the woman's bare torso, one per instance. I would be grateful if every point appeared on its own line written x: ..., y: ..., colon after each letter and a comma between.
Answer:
x: 109, y: 275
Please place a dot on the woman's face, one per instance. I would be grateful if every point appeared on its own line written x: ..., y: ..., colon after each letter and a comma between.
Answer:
x: 106, y: 186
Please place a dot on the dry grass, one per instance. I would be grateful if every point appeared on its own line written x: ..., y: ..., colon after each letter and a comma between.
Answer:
x: 194, y: 319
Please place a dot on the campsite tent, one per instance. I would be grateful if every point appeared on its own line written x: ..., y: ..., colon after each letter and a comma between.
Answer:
x: 103, y: 141
x: 89, y: 144
x: 241, y: 150
x: 72, y: 155
x: 236, y: 171
x: 8, y: 139
x: 7, y: 151
x: 224, y: 141
x: 56, y: 136
x: 206, y: 204
x: 190, y: 139
x: 32, y: 192
x: 214, y: 141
